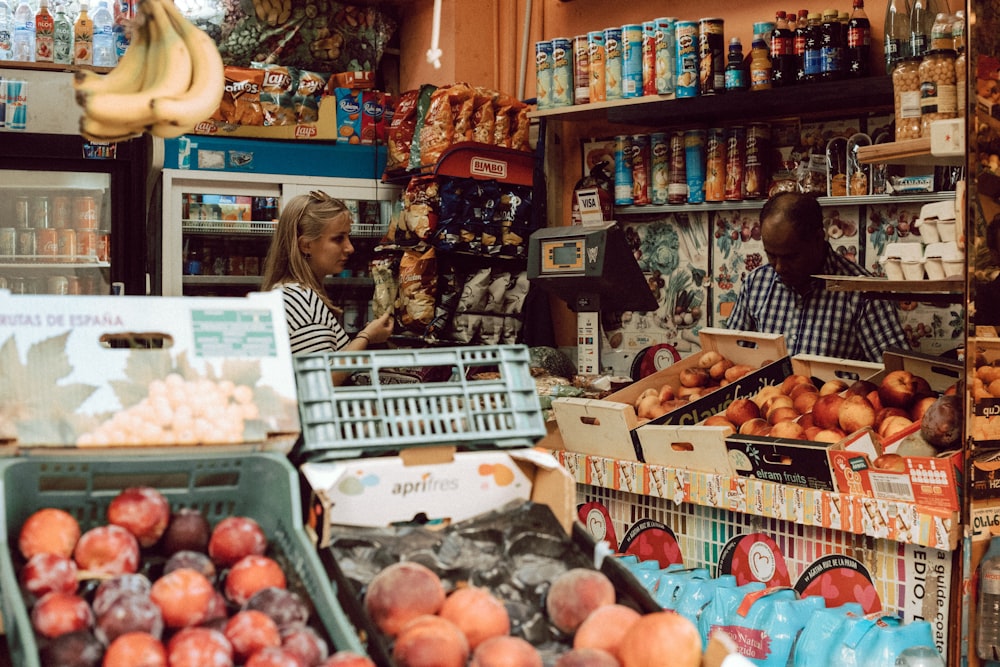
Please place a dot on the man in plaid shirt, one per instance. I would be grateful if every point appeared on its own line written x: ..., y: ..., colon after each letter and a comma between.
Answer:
x: 783, y: 297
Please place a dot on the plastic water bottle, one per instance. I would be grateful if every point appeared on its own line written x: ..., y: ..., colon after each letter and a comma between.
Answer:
x: 122, y: 29
x: 104, y: 37
x: 6, y: 31
x: 24, y: 33
x: 988, y: 606
x: 62, y: 36
x: 919, y: 656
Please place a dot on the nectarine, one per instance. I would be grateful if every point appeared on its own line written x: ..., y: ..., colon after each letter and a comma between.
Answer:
x: 742, y: 410
x: 898, y: 389
x: 826, y: 410
x: 660, y: 634
x: 575, y: 594
x: 856, y: 412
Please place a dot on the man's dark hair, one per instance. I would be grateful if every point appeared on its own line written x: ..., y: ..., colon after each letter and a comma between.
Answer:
x: 801, y: 210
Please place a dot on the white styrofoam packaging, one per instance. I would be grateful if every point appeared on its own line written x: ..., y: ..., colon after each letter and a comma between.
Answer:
x: 132, y: 371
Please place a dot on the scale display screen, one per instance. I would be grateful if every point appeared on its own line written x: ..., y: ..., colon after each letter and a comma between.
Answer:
x: 562, y: 256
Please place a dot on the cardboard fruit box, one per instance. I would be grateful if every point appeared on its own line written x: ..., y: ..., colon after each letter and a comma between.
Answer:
x: 610, y: 427
x: 100, y: 372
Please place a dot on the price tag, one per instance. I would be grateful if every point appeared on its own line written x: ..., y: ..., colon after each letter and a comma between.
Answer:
x: 589, y: 203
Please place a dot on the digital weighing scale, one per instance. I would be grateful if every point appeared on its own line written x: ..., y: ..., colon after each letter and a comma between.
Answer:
x: 589, y: 267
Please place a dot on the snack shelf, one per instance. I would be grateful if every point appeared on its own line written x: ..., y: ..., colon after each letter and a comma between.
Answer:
x: 756, y: 204
x: 229, y: 227
x: 40, y: 262
x: 471, y: 159
x: 907, y: 152
x: 860, y: 515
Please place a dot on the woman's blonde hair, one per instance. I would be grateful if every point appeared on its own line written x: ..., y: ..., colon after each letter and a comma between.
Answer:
x: 303, y: 217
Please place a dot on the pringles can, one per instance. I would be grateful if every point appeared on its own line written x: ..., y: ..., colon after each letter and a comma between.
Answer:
x: 632, y: 60
x: 598, y: 81
x: 756, y: 169
x: 687, y: 59
x: 562, y: 72
x: 711, y: 57
x: 736, y: 138
x: 613, y: 63
x: 543, y: 74
x: 581, y: 70
x: 665, y: 68
x: 677, y: 187
x: 659, y: 150
x: 641, y: 170
x: 623, y: 170
x: 649, y: 57
x: 715, y: 164
x: 694, y: 163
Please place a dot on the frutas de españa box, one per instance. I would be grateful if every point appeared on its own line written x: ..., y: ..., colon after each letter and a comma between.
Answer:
x: 130, y: 371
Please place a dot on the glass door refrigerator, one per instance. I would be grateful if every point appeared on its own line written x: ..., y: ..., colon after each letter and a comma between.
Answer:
x: 221, y: 198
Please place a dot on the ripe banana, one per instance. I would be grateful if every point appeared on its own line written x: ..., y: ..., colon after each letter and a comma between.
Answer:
x: 168, y: 73
x: 128, y: 75
x: 178, y: 114
x: 98, y: 132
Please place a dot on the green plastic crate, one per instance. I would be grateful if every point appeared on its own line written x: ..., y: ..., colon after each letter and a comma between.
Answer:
x: 263, y: 486
x: 487, y: 399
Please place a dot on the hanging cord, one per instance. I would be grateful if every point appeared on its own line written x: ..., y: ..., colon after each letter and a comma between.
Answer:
x: 434, y: 53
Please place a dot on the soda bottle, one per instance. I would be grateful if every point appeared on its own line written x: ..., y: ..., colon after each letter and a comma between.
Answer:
x: 831, y: 49
x: 735, y: 74
x: 122, y: 29
x: 859, y: 42
x: 813, y: 55
x: 62, y: 36
x: 44, y: 33
x: 988, y: 605
x: 6, y: 31
x: 24, y: 33
x: 800, y: 45
x: 104, y: 38
x: 897, y: 32
x: 783, y: 67
x: 83, y: 38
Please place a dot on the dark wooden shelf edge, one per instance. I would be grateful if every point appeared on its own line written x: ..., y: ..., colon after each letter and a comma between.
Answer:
x: 827, y: 98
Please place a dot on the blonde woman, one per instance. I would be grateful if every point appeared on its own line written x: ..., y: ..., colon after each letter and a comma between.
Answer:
x: 311, y: 241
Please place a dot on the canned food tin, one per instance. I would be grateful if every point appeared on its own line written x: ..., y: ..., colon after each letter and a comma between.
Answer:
x: 26, y: 245
x: 86, y: 243
x: 677, y: 187
x: 66, y: 242
x: 694, y: 163
x: 613, y: 63
x: 40, y: 212
x: 623, y: 170
x: 235, y: 266
x: 85, y: 213
x: 735, y: 151
x: 666, y: 70
x: 104, y: 247
x: 641, y: 170
x: 562, y: 72
x: 596, y: 53
x: 58, y: 285
x: 73, y: 285
x: 47, y: 241
x: 581, y: 70
x: 18, y: 285
x: 8, y: 241
x: 543, y: 74
x: 649, y: 57
x: 755, y: 173
x: 22, y: 212
x: 659, y: 150
x: 632, y: 60
x: 252, y: 265
x: 62, y: 212
x: 715, y: 164
x: 687, y: 59
x: 711, y: 57
x: 3, y: 282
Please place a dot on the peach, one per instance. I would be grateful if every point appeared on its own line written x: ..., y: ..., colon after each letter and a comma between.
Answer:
x: 856, y: 412
x: 829, y: 435
x: 862, y: 387
x: 587, y: 657
x: 920, y: 405
x: 48, y: 530
x: 922, y: 385
x: 742, y: 410
x: 826, y: 410
x: 720, y: 420
x: 800, y: 389
x: 709, y: 359
x: 834, y: 386
x: 780, y: 401
x: 787, y: 429
x: 756, y: 426
x: 430, y: 641
x: 736, y: 371
x: 782, y: 414
x: 693, y: 377
x: 792, y: 380
x: 575, y: 594
x: 806, y: 420
x: 505, y: 652
x: 804, y: 402
x: 605, y: 628
x: 898, y: 389
x: 876, y: 401
x: 892, y: 425
x: 718, y: 370
x: 401, y: 592
x: 659, y: 634
x: 809, y: 432
x: 477, y: 613
x: 770, y: 391
x: 884, y: 413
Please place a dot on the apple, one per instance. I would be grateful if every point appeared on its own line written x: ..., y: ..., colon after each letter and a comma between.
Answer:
x: 709, y: 359
x: 826, y: 410
x: 804, y: 401
x: 742, y: 410
x: 829, y: 435
x: 892, y: 425
x: 787, y: 429
x: 862, y: 387
x: 923, y: 386
x: 920, y: 405
x: 856, y: 412
x: 795, y: 379
x: 874, y: 398
x: 782, y: 414
x: 755, y: 426
x: 898, y: 389
x: 884, y: 413
x: 834, y: 386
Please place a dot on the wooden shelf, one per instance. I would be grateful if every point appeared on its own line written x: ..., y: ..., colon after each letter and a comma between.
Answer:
x: 908, y: 152
x: 836, y: 511
x: 754, y: 204
x: 948, y: 290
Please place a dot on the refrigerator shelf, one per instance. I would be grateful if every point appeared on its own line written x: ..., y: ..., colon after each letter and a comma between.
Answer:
x: 38, y: 262
x: 250, y: 227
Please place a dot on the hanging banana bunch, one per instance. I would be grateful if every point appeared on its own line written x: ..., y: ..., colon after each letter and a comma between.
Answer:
x: 170, y: 79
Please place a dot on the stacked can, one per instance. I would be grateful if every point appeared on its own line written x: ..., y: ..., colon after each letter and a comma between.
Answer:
x: 649, y: 58
x: 694, y: 164
x: 755, y: 173
x: 711, y: 57
x: 641, y: 170
x: 715, y: 164
x: 677, y: 187
x: 632, y: 60
x: 687, y: 58
x: 665, y: 69
x: 581, y: 70
x: 86, y: 221
x: 736, y: 137
x: 659, y: 150
x: 623, y: 170
x: 543, y: 74
x: 613, y: 63
x: 561, y: 94
x: 596, y: 53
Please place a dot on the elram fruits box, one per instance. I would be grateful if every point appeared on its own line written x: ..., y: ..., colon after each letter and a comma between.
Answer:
x: 128, y: 371
x: 781, y: 460
x: 609, y: 426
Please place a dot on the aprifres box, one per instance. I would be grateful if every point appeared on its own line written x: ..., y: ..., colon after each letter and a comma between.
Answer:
x: 130, y: 371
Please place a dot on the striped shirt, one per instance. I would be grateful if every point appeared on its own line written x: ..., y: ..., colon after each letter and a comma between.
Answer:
x: 845, y: 325
x: 312, y: 326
